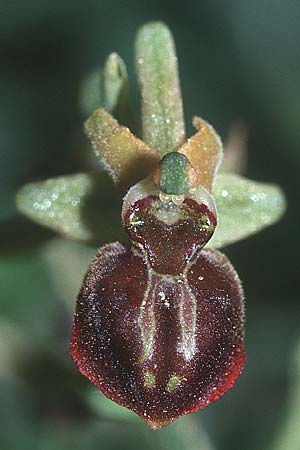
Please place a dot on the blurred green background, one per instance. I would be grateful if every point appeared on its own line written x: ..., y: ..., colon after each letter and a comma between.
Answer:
x: 239, y: 60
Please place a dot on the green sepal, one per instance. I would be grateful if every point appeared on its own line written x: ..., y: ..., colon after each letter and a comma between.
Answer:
x: 162, y: 111
x: 83, y: 206
x: 244, y: 208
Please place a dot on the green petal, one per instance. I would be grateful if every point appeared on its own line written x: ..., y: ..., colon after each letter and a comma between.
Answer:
x: 244, y: 208
x: 204, y: 151
x: 115, y: 83
x: 162, y: 111
x: 107, y: 88
x: 81, y: 206
x: 127, y: 158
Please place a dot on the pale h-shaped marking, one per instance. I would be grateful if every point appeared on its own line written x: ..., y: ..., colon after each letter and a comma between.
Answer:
x: 146, y: 319
x: 187, y: 310
x: 187, y: 320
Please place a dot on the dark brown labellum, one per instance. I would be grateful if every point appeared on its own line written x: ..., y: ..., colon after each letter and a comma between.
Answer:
x: 159, y: 324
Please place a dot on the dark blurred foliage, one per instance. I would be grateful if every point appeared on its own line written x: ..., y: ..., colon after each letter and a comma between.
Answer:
x: 238, y: 60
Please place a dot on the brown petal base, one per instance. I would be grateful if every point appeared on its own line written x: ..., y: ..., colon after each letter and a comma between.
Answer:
x: 160, y: 345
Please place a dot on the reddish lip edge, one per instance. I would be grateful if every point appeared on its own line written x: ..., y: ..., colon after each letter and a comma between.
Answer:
x: 235, y: 370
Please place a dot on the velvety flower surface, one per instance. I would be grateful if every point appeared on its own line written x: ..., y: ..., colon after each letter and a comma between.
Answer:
x: 159, y: 324
x: 159, y: 321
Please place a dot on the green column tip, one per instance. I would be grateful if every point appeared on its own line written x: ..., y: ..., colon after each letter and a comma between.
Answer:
x: 174, y: 176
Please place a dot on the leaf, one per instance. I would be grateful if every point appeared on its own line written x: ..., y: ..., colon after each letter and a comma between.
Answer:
x: 127, y: 158
x: 288, y: 433
x: 204, y: 151
x: 244, y: 208
x: 109, y: 410
x: 15, y: 347
x: 56, y: 254
x: 162, y: 111
x: 80, y: 206
x: 174, y: 436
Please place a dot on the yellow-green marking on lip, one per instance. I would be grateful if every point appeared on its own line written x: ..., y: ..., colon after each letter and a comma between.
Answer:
x: 173, y: 382
x: 149, y: 380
